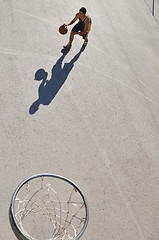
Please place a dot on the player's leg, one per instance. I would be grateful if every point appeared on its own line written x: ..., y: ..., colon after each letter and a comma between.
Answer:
x: 85, y: 37
x: 71, y: 38
x: 76, y: 28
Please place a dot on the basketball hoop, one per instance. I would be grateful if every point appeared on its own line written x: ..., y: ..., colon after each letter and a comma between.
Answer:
x: 48, y: 206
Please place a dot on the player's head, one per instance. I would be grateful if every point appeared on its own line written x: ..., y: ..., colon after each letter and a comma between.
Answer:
x: 83, y: 10
x: 40, y: 74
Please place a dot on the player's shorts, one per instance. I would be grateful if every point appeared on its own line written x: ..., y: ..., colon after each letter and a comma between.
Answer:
x: 79, y: 27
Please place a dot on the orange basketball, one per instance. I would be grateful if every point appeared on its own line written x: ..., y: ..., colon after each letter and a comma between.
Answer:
x: 63, y: 29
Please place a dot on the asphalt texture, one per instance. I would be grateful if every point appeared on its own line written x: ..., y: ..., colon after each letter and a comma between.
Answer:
x: 91, y: 115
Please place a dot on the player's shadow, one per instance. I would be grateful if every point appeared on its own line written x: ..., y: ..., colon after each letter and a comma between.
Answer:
x: 49, y: 88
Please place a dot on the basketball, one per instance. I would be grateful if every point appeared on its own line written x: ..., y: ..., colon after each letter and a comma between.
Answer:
x: 63, y: 29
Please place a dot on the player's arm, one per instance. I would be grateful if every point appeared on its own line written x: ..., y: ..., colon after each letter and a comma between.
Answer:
x: 85, y: 27
x: 73, y: 20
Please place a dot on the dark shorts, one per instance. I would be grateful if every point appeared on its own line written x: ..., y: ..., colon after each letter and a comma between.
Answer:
x: 79, y: 27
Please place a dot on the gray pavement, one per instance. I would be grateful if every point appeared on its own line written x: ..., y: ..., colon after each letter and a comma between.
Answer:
x: 100, y: 126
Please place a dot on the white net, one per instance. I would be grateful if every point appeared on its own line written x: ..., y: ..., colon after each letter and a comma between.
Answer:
x: 48, y: 208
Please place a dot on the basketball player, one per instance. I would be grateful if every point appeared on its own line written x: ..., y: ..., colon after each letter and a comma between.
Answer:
x: 82, y: 28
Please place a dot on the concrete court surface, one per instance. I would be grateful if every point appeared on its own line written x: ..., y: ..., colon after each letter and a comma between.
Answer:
x: 98, y: 124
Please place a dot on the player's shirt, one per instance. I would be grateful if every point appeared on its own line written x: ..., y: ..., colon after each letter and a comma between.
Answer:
x: 84, y: 20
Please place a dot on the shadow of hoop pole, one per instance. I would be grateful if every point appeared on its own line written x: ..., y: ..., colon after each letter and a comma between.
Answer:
x: 49, y: 88
x: 153, y: 7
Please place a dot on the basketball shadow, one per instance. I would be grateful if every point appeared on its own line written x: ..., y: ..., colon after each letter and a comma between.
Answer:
x: 49, y: 88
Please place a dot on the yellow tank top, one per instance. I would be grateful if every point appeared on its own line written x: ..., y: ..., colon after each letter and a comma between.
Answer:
x: 89, y: 27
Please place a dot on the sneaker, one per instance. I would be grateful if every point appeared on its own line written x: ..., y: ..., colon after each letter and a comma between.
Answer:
x: 68, y: 46
x: 85, y: 44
